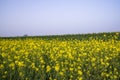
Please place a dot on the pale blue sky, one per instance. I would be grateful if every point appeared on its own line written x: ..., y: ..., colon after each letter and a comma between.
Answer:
x: 53, y: 17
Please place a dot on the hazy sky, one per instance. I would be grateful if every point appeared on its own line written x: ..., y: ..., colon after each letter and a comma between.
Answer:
x: 51, y: 17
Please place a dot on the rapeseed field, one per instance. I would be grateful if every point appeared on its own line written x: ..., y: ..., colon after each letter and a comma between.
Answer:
x: 81, y: 57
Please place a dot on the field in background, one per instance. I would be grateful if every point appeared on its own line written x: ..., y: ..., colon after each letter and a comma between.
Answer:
x: 62, y: 57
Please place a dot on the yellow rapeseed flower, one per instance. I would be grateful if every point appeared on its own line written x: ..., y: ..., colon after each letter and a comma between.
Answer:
x: 79, y: 72
x: 93, y: 59
x: 57, y: 67
x: 48, y: 68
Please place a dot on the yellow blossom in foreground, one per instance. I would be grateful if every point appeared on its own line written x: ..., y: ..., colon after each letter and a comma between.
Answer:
x: 57, y: 67
x: 79, y: 72
x: 48, y: 68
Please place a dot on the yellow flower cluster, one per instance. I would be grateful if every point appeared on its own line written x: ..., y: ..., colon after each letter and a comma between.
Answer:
x: 42, y: 59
